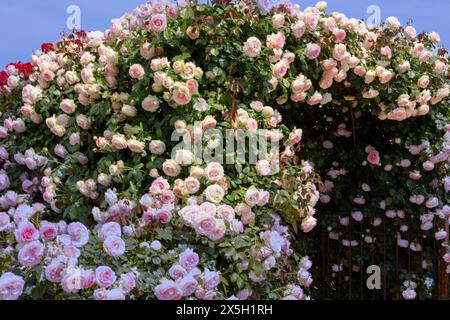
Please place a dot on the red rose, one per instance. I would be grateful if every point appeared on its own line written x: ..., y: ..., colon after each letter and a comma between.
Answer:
x: 46, y: 47
x: 25, y: 69
x: 3, y: 78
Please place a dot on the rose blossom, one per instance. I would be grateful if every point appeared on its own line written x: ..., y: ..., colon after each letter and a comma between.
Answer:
x: 340, y: 52
x: 280, y: 68
x: 105, y: 276
x: 214, y: 193
x: 225, y: 212
x: 26, y: 232
x: 181, y: 95
x: 137, y: 72
x: 276, y: 40
x: 440, y: 67
x: 177, y: 272
x: 53, y: 272
x: 252, y: 196
x: 298, y: 29
x: 373, y: 157
x: 409, y: 294
x: 204, y: 223
x: 189, y: 259
x: 252, y: 47
x: 214, y: 171
x: 308, y: 224
x: 114, y: 246
x: 168, y: 290
x: 158, y: 22
x: 211, y: 279
x: 11, y: 286
x: 157, y: 147
x: 136, y: 146
x: 184, y: 157
x: 187, y: 285
x: 79, y: 234
x: 31, y: 254
x: 393, y: 23
x: 312, y: 51
x: 68, y: 106
x: 192, y: 185
x: 48, y: 230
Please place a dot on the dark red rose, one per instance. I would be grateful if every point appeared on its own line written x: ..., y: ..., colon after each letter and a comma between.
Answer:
x: 3, y: 78
x: 25, y: 69
x: 47, y: 47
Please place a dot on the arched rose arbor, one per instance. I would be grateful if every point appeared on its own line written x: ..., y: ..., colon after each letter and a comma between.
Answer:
x: 96, y: 205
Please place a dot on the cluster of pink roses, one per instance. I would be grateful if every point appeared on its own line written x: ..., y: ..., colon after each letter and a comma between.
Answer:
x: 187, y: 279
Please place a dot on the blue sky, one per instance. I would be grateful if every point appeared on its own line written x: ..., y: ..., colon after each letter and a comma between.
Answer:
x: 25, y: 24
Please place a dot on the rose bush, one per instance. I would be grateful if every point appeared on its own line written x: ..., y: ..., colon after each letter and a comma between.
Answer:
x: 100, y: 200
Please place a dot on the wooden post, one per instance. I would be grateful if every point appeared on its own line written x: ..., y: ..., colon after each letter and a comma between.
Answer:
x: 442, y: 270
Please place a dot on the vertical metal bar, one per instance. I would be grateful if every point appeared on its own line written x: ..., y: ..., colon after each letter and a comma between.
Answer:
x: 443, y: 278
x: 350, y: 262
x: 384, y: 260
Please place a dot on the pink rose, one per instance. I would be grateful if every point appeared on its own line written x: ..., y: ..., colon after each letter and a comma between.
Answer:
x: 278, y: 20
x: 164, y: 216
x: 181, y: 95
x: 204, y: 223
x: 158, y: 22
x: 187, y: 285
x: 79, y: 234
x: 312, y: 51
x: 280, y: 68
x: 214, y: 193
x: 26, y: 232
x: 440, y: 67
x: 252, y: 196
x: 308, y: 224
x: 31, y: 254
x: 68, y: 106
x: 53, y: 272
x: 211, y: 279
x: 252, y: 47
x: 11, y: 286
x: 214, y: 171
x: 387, y: 52
x: 410, y: 32
x: 393, y: 23
x: 136, y: 146
x: 60, y: 151
x: 373, y: 157
x: 298, y: 29
x: 137, y: 72
x: 424, y: 81
x: 315, y: 99
x: 168, y: 290
x: 114, y: 246
x: 189, y: 259
x: 225, y: 212
x: 340, y: 52
x: 177, y: 272
x: 434, y: 37
x: 119, y: 142
x: 339, y: 35
x: 105, y: 276
x: 276, y: 40
x: 110, y: 229
x: 184, y: 157
x: 48, y: 230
